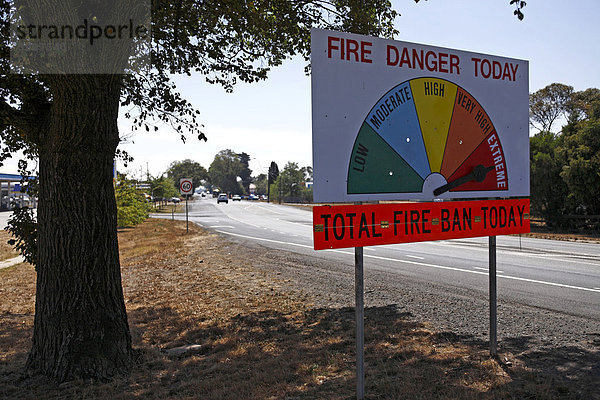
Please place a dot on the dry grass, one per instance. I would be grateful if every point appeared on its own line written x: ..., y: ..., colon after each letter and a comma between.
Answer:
x: 169, y: 208
x: 257, y: 337
x: 6, y: 251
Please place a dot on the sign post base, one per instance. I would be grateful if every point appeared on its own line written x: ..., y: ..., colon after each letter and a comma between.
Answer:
x: 493, y: 298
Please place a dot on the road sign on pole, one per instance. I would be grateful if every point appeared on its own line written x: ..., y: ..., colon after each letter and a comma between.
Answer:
x: 403, y: 121
x: 185, y: 186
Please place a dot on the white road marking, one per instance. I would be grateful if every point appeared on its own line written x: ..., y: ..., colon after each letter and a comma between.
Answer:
x: 487, y: 269
x: 523, y: 254
x: 266, y: 209
x: 468, y: 271
x: 266, y: 240
x: 11, y: 261
x: 295, y: 223
x: 417, y: 257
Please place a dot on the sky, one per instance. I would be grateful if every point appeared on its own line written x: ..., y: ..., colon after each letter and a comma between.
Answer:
x: 271, y: 120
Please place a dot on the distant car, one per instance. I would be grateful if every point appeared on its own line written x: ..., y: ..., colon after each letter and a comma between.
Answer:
x: 236, y: 198
x: 253, y: 197
x: 175, y: 200
x: 222, y: 198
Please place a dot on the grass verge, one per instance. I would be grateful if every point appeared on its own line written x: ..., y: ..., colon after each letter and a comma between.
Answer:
x: 6, y: 250
x: 208, y: 325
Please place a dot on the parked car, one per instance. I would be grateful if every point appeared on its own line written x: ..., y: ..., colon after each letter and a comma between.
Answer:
x: 175, y: 200
x: 253, y: 197
x: 236, y: 198
x: 222, y: 198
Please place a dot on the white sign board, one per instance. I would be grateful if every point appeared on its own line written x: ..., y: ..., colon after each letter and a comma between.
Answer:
x: 185, y: 186
x: 403, y: 121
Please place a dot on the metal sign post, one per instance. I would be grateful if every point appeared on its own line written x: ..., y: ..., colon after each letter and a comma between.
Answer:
x: 187, y: 226
x: 493, y: 296
x: 360, y: 322
x: 359, y: 293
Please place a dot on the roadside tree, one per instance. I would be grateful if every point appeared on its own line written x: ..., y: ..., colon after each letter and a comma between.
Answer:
x: 564, y: 166
x: 581, y: 172
x: 271, y: 177
x: 261, y: 184
x: 548, y: 190
x: 225, y: 170
x: 132, y: 207
x: 187, y: 169
x: 549, y: 104
x: 163, y: 188
x: 246, y: 173
x: 290, y: 185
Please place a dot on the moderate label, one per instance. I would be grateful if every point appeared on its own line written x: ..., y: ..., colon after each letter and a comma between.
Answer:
x: 379, y: 224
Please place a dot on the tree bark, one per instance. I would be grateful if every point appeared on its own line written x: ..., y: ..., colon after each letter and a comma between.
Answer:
x: 81, y: 328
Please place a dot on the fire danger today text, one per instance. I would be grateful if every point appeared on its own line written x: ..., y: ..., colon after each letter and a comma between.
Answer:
x: 445, y: 61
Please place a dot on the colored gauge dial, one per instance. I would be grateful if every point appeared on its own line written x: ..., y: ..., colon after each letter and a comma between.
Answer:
x: 426, y: 130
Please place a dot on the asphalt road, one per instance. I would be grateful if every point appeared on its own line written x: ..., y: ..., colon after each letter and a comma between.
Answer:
x: 551, y: 275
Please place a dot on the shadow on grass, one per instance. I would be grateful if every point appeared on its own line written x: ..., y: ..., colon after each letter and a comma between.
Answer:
x: 309, y: 354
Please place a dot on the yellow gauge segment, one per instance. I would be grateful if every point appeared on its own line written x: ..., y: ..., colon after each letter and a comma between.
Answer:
x: 434, y: 101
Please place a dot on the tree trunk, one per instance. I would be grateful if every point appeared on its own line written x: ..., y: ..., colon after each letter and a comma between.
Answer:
x: 81, y: 328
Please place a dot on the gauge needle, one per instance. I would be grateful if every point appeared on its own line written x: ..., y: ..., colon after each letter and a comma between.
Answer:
x: 477, y: 174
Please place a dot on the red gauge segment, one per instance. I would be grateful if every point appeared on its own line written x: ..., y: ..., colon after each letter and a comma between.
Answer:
x: 489, y: 153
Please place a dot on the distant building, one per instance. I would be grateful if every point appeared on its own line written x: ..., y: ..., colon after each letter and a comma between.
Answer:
x: 12, y: 195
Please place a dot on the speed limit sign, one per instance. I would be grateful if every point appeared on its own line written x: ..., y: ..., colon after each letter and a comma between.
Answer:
x: 185, y: 186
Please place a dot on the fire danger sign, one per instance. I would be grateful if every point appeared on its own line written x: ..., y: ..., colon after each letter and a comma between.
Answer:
x: 378, y: 224
x: 396, y: 120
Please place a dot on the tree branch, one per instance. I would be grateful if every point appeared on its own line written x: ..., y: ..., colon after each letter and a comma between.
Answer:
x: 27, y: 126
x: 12, y: 116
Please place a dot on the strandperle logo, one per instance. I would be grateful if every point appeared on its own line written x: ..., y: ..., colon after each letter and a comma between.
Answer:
x: 86, y: 31
x: 80, y: 37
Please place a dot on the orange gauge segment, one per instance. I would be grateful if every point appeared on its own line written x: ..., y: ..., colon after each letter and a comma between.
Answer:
x: 470, y: 126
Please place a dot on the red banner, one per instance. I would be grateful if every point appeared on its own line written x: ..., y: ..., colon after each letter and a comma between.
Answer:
x: 378, y: 224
